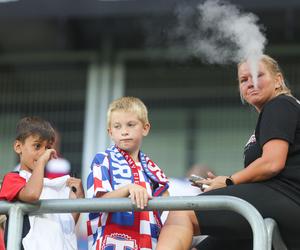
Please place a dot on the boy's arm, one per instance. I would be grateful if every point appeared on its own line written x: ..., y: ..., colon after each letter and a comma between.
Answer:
x: 98, y: 184
x: 137, y: 194
x: 32, y: 190
x: 119, y: 193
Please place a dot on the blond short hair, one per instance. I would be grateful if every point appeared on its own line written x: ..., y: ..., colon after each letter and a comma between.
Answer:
x: 128, y: 104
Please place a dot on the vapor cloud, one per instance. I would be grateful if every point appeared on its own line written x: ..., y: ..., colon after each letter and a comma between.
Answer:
x: 218, y: 32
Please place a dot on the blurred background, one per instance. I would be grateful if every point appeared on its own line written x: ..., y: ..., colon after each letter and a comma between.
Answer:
x: 66, y: 60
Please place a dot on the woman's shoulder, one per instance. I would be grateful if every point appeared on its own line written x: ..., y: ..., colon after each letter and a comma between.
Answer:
x: 283, y: 100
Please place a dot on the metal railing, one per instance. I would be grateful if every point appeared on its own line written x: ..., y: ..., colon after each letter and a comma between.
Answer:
x: 17, y: 210
x: 274, y: 236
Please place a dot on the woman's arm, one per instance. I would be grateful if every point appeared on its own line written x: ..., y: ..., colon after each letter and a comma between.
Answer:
x: 271, y: 163
x: 265, y: 167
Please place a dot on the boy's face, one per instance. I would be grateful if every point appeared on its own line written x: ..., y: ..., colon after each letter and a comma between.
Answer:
x: 127, y: 131
x: 30, y: 151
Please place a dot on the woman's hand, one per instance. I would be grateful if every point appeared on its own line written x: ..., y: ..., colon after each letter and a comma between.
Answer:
x: 138, y: 195
x: 212, y: 182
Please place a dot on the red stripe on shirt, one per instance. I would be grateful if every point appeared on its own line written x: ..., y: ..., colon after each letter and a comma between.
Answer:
x: 11, y: 186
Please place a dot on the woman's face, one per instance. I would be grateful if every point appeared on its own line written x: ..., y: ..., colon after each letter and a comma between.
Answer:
x: 266, y: 86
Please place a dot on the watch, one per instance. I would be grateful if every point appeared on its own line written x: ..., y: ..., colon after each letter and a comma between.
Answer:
x: 229, y: 181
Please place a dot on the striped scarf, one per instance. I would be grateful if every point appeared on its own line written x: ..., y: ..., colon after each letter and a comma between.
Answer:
x: 135, y: 230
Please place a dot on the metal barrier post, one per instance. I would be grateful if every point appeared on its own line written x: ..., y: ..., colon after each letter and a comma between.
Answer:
x: 274, y: 236
x: 15, y: 226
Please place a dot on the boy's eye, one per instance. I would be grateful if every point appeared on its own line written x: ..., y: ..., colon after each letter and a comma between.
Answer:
x: 131, y: 124
x: 37, y: 146
x: 117, y: 126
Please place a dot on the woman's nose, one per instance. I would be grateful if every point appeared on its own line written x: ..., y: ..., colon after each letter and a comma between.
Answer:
x: 250, y: 82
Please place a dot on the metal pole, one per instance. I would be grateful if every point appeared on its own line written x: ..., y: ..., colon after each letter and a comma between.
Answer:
x: 260, y: 237
x: 240, y: 206
x: 15, y: 226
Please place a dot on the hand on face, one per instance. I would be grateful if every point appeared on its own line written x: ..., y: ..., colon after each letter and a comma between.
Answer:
x: 47, y: 156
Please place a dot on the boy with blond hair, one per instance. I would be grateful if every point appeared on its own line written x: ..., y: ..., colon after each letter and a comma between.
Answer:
x: 124, y: 171
x: 33, y: 144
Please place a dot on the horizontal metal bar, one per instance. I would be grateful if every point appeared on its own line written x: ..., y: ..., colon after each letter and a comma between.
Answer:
x: 124, y: 55
x: 5, y: 206
x: 242, y: 207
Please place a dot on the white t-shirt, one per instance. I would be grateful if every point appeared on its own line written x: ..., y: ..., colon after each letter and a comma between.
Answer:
x: 51, y: 231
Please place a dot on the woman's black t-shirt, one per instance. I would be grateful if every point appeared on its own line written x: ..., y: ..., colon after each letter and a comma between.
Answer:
x: 279, y: 119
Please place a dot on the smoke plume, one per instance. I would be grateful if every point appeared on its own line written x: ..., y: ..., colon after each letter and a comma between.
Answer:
x: 218, y: 32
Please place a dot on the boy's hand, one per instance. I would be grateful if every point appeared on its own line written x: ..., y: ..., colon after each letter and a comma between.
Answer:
x: 138, y: 195
x: 75, y: 193
x: 31, y: 192
x: 46, y: 156
x: 76, y: 188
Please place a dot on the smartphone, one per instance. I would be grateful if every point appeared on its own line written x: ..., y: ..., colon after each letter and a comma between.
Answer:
x: 194, y: 178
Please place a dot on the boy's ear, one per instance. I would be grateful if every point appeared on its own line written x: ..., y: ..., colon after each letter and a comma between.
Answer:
x: 17, y: 147
x: 146, y: 129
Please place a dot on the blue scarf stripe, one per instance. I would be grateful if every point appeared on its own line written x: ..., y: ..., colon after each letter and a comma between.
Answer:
x: 113, y: 152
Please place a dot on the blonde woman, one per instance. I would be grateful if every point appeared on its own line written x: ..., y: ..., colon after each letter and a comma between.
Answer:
x: 270, y: 179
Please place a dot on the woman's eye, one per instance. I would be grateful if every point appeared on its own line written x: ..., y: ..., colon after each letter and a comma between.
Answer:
x: 131, y: 124
x: 117, y: 126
